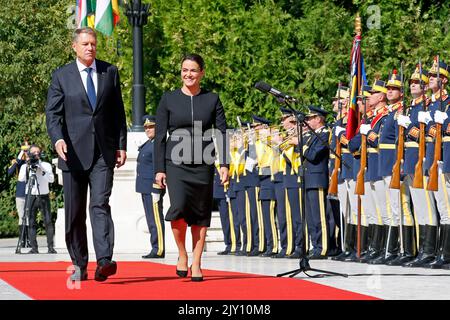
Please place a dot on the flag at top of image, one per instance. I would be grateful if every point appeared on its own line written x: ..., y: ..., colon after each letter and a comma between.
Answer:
x: 358, y: 79
x: 102, y: 15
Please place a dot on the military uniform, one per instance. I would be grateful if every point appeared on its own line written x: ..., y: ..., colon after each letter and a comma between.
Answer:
x: 219, y: 195
x: 152, y: 195
x: 429, y: 255
x: 316, y: 178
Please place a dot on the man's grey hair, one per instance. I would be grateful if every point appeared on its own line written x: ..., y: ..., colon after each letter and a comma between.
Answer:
x: 81, y: 30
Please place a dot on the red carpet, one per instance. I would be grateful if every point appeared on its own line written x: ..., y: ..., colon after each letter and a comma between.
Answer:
x: 154, y: 281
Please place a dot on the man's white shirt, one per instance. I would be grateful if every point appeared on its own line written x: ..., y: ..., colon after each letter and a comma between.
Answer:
x: 44, y: 175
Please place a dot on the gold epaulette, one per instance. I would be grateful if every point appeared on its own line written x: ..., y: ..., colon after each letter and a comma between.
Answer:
x: 372, y: 136
x: 414, y: 132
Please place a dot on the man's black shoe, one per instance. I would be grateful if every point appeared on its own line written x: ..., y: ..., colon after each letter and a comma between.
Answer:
x: 33, y: 251
x: 224, y: 253
x: 153, y: 255
x: 105, y: 268
x: 295, y: 255
x: 51, y: 250
x: 279, y: 255
x: 253, y: 253
x: 317, y: 257
x: 240, y: 253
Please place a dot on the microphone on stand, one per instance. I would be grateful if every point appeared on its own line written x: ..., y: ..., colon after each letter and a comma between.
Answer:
x: 264, y: 87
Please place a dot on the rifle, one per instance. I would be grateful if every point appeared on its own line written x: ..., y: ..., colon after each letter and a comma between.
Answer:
x: 396, y: 169
x: 418, y: 172
x: 433, y: 172
x: 359, y: 188
x: 333, y: 188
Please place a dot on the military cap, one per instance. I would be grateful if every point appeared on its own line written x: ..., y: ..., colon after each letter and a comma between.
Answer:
x: 394, y: 80
x: 443, y: 68
x: 286, y: 111
x: 416, y: 75
x: 149, y: 120
x: 260, y: 120
x: 316, y: 111
x: 344, y: 93
x: 378, y: 86
x: 365, y: 91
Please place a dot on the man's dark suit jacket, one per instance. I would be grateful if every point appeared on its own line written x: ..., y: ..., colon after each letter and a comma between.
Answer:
x: 70, y: 116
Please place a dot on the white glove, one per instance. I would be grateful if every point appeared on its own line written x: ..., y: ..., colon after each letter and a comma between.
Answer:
x: 364, y: 129
x: 155, y: 197
x: 338, y: 130
x: 439, y: 116
x: 250, y: 163
x: 424, y: 117
x: 403, y: 121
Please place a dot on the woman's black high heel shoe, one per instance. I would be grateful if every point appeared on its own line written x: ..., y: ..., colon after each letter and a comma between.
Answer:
x: 196, y: 279
x: 181, y: 273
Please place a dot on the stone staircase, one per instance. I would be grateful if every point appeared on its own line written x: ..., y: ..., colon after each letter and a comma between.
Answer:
x: 214, y: 236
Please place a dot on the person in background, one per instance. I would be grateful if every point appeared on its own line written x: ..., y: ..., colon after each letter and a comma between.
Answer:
x: 39, y: 197
x: 152, y: 195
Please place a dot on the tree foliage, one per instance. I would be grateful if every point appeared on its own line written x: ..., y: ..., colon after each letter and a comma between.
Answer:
x: 299, y: 46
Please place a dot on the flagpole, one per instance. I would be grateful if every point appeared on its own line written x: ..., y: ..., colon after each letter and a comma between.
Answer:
x: 137, y: 14
x: 358, y: 31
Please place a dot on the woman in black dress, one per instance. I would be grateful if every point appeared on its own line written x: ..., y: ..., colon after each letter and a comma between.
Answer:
x: 184, y: 159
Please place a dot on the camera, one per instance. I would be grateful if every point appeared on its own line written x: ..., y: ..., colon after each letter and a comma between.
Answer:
x: 33, y: 159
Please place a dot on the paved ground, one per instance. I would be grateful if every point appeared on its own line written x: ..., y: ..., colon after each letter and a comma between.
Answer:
x: 393, y: 283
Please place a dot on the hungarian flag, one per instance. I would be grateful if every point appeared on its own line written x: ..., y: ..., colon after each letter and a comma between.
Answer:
x: 358, y: 79
x: 85, y: 11
x: 106, y: 16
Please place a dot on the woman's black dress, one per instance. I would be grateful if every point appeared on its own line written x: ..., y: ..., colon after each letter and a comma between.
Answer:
x: 186, y: 155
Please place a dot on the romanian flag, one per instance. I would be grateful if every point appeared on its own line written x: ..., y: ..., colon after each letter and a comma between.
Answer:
x: 358, y: 79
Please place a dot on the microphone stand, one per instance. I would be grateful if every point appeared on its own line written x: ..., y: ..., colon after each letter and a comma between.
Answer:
x: 303, y: 260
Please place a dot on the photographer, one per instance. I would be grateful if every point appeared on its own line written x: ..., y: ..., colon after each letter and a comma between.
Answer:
x: 16, y: 164
x: 39, y: 198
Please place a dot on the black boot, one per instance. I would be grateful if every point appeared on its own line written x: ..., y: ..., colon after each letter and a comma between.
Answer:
x: 364, y: 245
x: 22, y: 236
x: 429, y: 248
x: 379, y: 259
x: 409, y: 247
x: 349, y: 242
x: 393, y: 246
x: 375, y: 245
x: 421, y: 240
x: 443, y: 256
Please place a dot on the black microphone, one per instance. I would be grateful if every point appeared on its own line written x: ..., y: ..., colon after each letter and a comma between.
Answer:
x: 264, y: 87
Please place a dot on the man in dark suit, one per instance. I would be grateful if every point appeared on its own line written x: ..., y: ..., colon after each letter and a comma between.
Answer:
x: 152, y: 194
x: 86, y: 123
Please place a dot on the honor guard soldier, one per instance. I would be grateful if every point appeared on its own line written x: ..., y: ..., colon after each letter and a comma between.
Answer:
x: 230, y: 195
x: 316, y: 178
x: 438, y: 112
x: 374, y: 201
x: 289, y: 164
x: 385, y: 141
x: 428, y: 233
x: 349, y: 176
x: 237, y: 192
x: 420, y: 197
x: 338, y: 204
x: 226, y: 217
x: 373, y: 101
x: 284, y: 212
x: 152, y: 195
x: 252, y: 186
x: 265, y: 155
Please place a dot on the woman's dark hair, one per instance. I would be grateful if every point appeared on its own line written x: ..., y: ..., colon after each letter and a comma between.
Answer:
x: 194, y: 57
